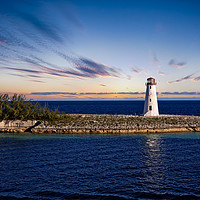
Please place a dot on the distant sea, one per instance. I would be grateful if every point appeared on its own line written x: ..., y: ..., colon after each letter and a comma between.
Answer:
x: 100, y: 167
x: 127, y: 107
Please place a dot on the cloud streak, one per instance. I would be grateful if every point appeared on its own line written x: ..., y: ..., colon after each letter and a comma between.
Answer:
x: 161, y: 73
x: 110, y: 93
x: 137, y: 70
x: 196, y: 78
x: 82, y: 68
x: 188, y: 77
x: 155, y: 59
x: 181, y: 93
x: 175, y: 64
x: 41, y: 26
x: 22, y: 70
x: 36, y: 81
x: 86, y: 93
x: 32, y: 31
x: 53, y: 93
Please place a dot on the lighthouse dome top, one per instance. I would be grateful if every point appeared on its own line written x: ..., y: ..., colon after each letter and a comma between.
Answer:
x: 151, y: 81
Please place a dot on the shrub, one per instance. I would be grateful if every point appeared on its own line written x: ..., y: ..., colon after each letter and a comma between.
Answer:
x: 18, y: 107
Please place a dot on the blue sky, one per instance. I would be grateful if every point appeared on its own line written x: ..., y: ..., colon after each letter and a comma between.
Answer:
x: 99, y: 49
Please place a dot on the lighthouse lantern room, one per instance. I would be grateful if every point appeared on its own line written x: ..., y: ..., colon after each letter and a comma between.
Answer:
x: 151, y: 104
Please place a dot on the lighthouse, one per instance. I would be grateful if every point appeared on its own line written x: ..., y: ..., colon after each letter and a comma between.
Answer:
x: 151, y: 104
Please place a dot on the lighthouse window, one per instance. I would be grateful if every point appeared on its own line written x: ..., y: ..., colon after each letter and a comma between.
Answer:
x: 150, y: 107
x: 150, y: 100
x: 150, y: 87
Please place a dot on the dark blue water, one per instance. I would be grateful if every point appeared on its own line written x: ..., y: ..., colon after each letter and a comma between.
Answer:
x: 100, y: 167
x: 124, y: 107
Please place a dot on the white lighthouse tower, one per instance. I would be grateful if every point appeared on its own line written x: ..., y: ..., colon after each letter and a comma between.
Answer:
x: 151, y: 104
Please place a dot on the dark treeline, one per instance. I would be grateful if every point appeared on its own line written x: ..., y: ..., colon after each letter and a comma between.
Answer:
x: 18, y: 107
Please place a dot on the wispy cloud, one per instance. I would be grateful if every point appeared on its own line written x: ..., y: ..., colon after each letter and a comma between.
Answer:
x: 92, y: 68
x: 2, y: 40
x: 38, y: 15
x: 82, y: 68
x: 36, y: 81
x: 196, y: 78
x: 27, y: 76
x: 86, y: 93
x: 181, y: 93
x: 155, y: 59
x: 53, y: 93
x: 40, y: 28
x: 22, y: 70
x: 161, y: 73
x: 188, y: 77
x: 137, y: 70
x: 103, y: 85
x: 175, y: 64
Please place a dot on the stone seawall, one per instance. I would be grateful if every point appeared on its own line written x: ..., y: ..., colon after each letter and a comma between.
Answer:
x: 16, y: 123
x: 106, y: 124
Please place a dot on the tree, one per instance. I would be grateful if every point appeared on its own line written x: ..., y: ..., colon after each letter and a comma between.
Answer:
x: 18, y: 107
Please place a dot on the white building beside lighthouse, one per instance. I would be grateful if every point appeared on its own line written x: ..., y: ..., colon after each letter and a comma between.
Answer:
x: 151, y: 103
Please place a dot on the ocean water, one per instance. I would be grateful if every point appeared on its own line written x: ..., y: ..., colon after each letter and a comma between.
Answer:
x: 190, y: 107
x: 161, y: 166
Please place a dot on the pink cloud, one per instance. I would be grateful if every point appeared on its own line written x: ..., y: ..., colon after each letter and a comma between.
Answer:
x: 161, y: 73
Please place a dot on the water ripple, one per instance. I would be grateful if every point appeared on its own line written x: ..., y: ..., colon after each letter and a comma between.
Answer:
x: 100, y: 167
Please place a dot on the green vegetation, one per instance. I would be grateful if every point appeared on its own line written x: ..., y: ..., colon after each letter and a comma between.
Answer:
x: 18, y: 107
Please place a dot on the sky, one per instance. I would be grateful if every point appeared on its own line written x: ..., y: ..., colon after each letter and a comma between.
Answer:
x: 99, y: 49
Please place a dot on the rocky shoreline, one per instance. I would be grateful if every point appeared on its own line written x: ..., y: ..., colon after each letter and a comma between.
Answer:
x: 106, y: 124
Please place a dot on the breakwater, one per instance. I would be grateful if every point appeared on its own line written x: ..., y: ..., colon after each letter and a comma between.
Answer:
x: 115, y: 124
